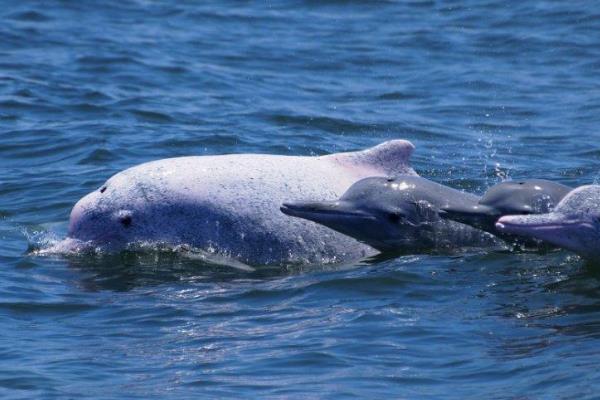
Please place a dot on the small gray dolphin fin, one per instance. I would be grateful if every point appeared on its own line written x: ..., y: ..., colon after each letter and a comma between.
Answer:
x: 391, y: 157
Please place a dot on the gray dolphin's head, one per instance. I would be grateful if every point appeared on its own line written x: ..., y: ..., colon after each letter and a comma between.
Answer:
x: 532, y: 196
x: 574, y: 224
x: 385, y: 213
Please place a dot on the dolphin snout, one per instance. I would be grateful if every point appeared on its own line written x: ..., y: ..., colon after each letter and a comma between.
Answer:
x: 556, y: 228
x: 478, y: 216
x: 469, y: 212
x: 530, y: 224
x: 316, y: 210
x: 290, y: 207
x: 305, y: 209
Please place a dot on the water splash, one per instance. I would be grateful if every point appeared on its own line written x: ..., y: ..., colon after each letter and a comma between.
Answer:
x: 42, y: 241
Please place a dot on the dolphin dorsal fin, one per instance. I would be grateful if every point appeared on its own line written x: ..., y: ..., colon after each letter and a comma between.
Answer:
x: 391, y: 157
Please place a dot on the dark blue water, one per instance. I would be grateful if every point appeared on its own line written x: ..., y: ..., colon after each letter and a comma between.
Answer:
x: 485, y: 89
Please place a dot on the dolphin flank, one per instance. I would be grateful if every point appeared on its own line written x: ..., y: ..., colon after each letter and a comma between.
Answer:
x: 229, y: 204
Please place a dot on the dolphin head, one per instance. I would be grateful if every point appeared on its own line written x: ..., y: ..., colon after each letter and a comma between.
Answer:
x: 574, y: 224
x: 371, y: 214
x: 99, y: 219
x: 120, y: 212
x: 532, y: 196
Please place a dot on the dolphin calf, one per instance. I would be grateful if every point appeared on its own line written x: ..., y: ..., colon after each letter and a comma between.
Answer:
x: 574, y: 224
x: 229, y: 204
x: 395, y: 214
x: 530, y: 196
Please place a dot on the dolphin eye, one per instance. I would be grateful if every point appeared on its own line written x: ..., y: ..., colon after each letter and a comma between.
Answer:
x: 125, y: 221
x: 103, y: 189
x: 394, y: 217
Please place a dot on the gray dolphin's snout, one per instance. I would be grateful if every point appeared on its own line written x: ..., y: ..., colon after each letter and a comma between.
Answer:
x: 318, y: 210
x: 479, y: 216
x: 305, y: 206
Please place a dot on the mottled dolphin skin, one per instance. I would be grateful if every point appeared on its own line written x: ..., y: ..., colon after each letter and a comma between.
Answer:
x: 574, y: 224
x: 229, y: 204
x: 396, y: 214
x: 530, y: 196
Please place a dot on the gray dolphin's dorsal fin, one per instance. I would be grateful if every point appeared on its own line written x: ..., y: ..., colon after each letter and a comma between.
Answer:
x: 391, y: 157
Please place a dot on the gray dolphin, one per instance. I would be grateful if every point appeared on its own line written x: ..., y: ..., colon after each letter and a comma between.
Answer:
x: 574, y: 224
x: 531, y: 196
x: 396, y: 214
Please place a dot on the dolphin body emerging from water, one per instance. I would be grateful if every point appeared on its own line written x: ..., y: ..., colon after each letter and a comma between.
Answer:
x: 530, y: 196
x: 574, y: 224
x: 229, y: 204
x: 396, y: 214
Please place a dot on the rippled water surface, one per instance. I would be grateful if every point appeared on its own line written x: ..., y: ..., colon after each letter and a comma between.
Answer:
x: 485, y: 90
